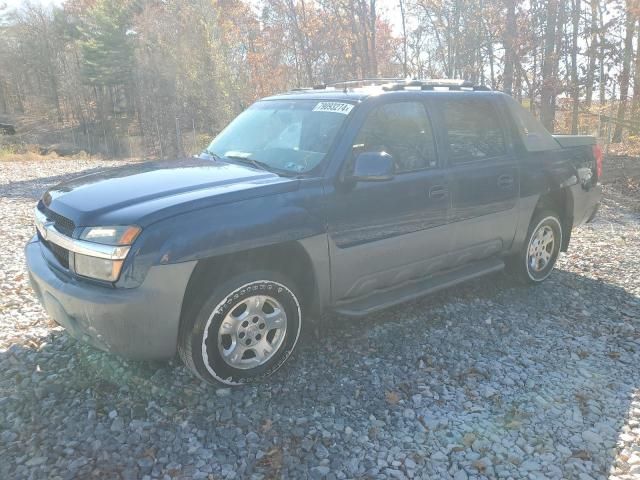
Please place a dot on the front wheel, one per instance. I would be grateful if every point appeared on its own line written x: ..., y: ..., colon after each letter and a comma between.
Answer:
x: 242, y: 331
x: 540, y: 251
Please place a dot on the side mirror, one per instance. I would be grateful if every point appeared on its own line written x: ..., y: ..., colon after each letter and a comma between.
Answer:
x: 372, y: 167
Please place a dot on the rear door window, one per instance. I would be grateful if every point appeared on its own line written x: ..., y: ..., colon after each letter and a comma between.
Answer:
x: 474, y: 129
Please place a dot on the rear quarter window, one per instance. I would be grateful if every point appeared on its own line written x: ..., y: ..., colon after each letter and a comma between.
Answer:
x: 474, y: 129
x: 535, y: 137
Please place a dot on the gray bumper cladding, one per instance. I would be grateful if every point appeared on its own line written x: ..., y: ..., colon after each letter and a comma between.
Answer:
x: 139, y: 323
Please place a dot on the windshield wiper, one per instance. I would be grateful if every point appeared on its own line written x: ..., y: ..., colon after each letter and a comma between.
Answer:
x: 250, y: 161
x: 259, y: 165
x: 213, y: 155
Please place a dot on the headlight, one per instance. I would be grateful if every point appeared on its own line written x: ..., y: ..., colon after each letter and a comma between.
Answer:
x: 94, y: 267
x: 98, y: 267
x: 123, y: 235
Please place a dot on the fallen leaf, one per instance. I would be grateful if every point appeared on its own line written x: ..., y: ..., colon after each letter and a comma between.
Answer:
x: 480, y: 466
x: 392, y: 397
x: 266, y: 425
x: 581, y: 454
x: 150, y: 452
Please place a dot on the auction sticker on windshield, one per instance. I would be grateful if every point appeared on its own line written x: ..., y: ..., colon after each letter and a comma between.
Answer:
x: 334, y: 107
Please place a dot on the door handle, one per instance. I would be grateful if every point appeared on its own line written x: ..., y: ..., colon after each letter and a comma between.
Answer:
x: 505, y: 181
x: 438, y: 192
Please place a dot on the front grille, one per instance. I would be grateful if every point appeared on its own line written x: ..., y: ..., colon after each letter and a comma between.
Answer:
x: 62, y: 224
x: 61, y: 254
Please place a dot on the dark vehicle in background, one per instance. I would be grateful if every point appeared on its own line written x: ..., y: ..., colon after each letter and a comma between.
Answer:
x: 7, y: 129
x: 344, y: 199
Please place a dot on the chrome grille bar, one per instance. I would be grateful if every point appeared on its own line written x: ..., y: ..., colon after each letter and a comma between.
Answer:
x: 91, y: 249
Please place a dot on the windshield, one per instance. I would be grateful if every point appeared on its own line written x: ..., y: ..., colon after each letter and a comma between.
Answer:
x: 285, y: 135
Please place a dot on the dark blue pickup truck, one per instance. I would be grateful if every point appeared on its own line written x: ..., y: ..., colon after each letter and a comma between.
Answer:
x: 342, y: 200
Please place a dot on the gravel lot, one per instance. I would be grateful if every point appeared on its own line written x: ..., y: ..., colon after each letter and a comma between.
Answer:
x: 486, y: 380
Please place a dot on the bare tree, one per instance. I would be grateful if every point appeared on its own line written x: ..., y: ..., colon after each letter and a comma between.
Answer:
x: 575, y: 83
x: 509, y: 44
x: 592, y: 52
x: 404, y: 38
x: 373, y: 18
x: 626, y: 71
x: 635, y: 103
x: 550, y: 65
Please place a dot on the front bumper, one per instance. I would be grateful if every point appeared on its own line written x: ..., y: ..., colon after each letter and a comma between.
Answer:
x: 138, y: 323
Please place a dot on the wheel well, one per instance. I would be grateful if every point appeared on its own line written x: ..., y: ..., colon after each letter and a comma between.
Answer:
x: 289, y: 259
x: 561, y: 202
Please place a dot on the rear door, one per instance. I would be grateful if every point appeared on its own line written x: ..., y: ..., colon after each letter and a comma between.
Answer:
x: 385, y: 233
x: 483, y: 175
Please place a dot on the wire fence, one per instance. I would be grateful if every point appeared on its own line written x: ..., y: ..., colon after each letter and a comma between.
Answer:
x: 110, y: 140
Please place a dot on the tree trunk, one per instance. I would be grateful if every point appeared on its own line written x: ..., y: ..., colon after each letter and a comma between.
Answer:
x: 509, y: 54
x: 625, y: 75
x: 355, y: 43
x: 491, y: 66
x: 575, y: 87
x: 602, y: 85
x: 53, y: 84
x: 602, y: 82
x: 560, y: 51
x: 364, y: 37
x: 19, y: 98
x: 549, y: 66
x: 534, y: 83
x: 306, y: 50
x: 3, y: 100
x: 404, y: 39
x: 372, y: 32
x: 635, y: 104
x: 518, y: 87
x: 302, y: 55
x: 593, y: 49
x: 456, y: 38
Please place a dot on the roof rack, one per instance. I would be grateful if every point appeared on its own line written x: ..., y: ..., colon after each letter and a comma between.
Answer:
x: 363, y: 82
x: 397, y: 84
x: 349, y: 84
x: 432, y: 84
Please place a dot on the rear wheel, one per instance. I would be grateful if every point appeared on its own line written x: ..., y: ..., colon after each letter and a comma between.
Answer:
x: 536, y: 260
x: 243, y: 330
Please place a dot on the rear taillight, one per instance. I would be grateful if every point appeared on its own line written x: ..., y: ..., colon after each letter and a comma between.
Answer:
x: 597, y: 154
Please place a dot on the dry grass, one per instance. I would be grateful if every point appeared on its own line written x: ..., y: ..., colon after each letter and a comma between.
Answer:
x: 31, y: 153
x: 26, y: 157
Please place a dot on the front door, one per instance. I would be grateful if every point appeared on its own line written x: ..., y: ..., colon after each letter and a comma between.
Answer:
x: 378, y: 230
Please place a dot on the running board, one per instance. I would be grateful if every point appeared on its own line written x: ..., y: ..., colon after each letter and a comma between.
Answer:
x: 381, y: 299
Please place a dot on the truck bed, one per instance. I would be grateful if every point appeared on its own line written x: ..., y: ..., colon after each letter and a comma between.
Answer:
x: 567, y: 141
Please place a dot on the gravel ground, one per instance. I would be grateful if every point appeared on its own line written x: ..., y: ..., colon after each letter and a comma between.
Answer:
x: 489, y: 380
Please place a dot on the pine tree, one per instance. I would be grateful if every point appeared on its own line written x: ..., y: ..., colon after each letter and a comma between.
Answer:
x: 106, y: 46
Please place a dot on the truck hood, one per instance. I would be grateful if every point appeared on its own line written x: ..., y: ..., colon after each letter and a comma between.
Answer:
x: 143, y: 193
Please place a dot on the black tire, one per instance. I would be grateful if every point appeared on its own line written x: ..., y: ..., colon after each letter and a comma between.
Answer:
x: 529, y: 269
x: 201, y: 348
